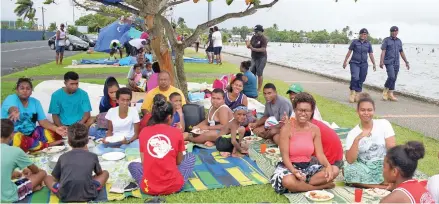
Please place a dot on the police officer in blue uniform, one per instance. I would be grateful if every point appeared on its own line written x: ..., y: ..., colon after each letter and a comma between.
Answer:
x: 361, y: 49
x: 391, y: 49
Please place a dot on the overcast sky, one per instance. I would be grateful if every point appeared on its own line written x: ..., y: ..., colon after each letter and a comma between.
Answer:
x: 418, y: 20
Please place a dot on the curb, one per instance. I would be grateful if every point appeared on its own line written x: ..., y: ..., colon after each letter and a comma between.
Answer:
x: 345, y: 81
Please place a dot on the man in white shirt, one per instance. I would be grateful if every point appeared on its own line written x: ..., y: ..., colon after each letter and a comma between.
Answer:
x: 217, y: 44
x: 136, y: 46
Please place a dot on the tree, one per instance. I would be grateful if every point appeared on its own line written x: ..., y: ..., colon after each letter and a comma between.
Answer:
x: 244, y: 31
x: 52, y: 27
x: 275, y: 27
x: 93, y: 21
x: 25, y: 9
x: 72, y: 30
x: 161, y: 31
x: 19, y: 24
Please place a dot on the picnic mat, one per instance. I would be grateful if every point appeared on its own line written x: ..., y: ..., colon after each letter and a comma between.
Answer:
x: 342, y: 193
x: 211, y: 171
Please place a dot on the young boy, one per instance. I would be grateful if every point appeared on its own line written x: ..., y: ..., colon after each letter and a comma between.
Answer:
x: 178, y: 117
x: 72, y: 179
x: 236, y: 126
x: 12, y: 158
x: 149, y: 70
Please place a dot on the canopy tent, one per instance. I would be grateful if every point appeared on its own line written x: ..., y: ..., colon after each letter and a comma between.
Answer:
x: 113, y: 31
x: 132, y: 33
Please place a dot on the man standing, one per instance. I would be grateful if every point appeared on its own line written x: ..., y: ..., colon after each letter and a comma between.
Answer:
x: 60, y: 43
x: 217, y: 44
x: 361, y: 48
x: 391, y: 49
x: 258, y: 47
x: 209, y: 48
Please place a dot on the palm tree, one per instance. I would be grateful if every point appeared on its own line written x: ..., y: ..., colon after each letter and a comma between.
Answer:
x: 25, y: 9
x: 275, y: 27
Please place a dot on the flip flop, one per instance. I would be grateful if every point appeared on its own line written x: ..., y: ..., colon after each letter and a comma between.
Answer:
x: 155, y: 200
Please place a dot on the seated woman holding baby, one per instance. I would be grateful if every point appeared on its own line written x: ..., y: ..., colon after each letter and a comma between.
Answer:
x: 219, y: 115
x: 25, y: 111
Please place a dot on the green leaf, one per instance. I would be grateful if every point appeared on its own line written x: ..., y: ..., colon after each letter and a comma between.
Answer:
x: 256, y: 2
x: 229, y: 2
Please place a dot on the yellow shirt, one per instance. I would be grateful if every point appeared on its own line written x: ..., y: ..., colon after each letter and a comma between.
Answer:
x: 147, y: 101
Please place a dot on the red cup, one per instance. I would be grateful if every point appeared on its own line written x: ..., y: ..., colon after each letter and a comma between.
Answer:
x: 358, y: 194
x: 263, y: 148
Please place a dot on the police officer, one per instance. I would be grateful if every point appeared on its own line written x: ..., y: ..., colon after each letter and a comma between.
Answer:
x: 391, y: 49
x: 361, y: 48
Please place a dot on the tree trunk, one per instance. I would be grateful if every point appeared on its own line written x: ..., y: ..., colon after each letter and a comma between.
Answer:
x: 179, y: 70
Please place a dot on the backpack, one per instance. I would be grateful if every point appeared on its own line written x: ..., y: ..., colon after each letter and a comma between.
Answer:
x: 193, y: 115
x: 221, y: 83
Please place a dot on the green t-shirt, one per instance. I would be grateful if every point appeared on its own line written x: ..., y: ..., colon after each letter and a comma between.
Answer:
x: 12, y: 157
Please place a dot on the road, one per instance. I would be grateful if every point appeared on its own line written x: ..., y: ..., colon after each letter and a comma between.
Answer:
x: 407, y: 112
x: 20, y: 55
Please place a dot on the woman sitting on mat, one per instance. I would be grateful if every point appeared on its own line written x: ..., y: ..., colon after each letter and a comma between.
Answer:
x: 123, y: 123
x: 234, y: 145
x: 298, y: 141
x: 107, y: 101
x: 366, y: 146
x: 153, y: 80
x: 219, y: 115
x: 234, y: 96
x: 163, y: 169
x: 400, y: 165
x: 249, y: 79
x: 25, y: 111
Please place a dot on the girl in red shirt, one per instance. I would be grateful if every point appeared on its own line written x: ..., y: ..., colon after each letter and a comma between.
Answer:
x: 164, y: 170
x: 400, y: 164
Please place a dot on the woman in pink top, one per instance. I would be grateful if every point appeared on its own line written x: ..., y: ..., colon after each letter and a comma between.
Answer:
x: 153, y: 80
x: 298, y: 141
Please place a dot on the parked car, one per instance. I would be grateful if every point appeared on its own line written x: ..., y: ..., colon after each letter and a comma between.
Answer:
x: 90, y: 38
x: 72, y: 43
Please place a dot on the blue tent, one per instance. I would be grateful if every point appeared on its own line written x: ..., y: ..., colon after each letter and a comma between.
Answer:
x: 132, y: 33
x: 109, y: 33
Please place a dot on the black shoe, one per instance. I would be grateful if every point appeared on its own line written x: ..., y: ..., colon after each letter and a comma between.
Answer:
x: 131, y: 187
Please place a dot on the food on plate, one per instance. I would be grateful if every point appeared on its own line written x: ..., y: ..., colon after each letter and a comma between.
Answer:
x: 250, y: 138
x: 54, y: 149
x: 319, y: 195
x: 377, y: 192
x: 271, y: 151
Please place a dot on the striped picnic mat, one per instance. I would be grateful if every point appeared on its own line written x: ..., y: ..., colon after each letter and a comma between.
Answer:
x: 211, y: 171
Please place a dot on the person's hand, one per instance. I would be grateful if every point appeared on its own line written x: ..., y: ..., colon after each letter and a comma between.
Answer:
x: 285, y: 119
x: 179, y: 110
x: 16, y: 175
x: 299, y: 175
x: 14, y: 116
x: 56, y: 143
x: 252, y: 125
x: 125, y: 141
x: 204, y: 127
x: 328, y: 173
x: 365, y: 133
x: 407, y: 64
x: 344, y: 65
x: 374, y: 68
x: 61, y: 130
x: 104, y: 141
x: 382, y: 65
x: 26, y: 172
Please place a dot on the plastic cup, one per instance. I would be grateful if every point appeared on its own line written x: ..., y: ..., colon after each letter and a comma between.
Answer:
x: 358, y: 194
x: 263, y: 148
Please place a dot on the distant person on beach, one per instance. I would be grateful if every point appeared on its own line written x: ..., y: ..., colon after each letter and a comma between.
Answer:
x: 391, y: 49
x: 60, y: 43
x: 209, y: 49
x: 361, y: 48
x: 258, y: 46
x: 217, y: 44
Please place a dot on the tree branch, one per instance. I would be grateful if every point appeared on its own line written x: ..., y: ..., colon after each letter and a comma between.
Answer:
x: 93, y: 9
x: 118, y: 5
x: 200, y: 28
x: 170, y: 33
x: 176, y: 2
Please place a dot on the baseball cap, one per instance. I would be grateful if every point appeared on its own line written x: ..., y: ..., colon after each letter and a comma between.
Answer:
x: 394, y: 28
x: 364, y: 30
x: 259, y: 28
x: 296, y: 88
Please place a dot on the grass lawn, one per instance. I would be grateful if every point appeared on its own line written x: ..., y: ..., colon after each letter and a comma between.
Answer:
x: 332, y: 111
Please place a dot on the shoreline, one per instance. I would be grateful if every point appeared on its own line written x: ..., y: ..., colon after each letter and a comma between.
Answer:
x: 339, y: 79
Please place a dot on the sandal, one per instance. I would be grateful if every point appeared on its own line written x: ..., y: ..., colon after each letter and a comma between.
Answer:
x: 155, y: 200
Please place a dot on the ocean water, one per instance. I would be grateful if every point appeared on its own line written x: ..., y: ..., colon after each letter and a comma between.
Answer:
x: 422, y: 79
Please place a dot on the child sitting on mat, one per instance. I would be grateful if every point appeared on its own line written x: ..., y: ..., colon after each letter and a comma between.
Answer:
x: 26, y: 182
x: 178, y: 117
x: 236, y: 126
x: 72, y: 179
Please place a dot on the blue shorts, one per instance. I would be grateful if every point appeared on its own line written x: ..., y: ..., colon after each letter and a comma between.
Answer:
x: 217, y: 50
x: 60, y: 49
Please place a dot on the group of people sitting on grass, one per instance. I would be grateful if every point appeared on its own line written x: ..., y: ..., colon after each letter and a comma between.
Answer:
x: 311, y: 152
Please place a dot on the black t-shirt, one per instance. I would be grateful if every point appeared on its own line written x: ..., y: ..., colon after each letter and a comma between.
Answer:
x: 210, y: 40
x: 74, y: 172
x: 259, y: 41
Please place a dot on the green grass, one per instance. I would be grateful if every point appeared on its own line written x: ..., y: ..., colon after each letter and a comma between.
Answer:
x: 332, y: 111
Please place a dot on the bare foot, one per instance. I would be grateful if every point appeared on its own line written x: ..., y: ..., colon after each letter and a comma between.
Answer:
x: 225, y: 154
x: 329, y: 185
x: 37, y: 188
x: 209, y: 144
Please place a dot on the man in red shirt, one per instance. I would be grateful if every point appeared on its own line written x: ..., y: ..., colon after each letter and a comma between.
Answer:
x: 331, y: 143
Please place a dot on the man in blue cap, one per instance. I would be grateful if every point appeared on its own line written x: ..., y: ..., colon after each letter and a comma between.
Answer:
x: 258, y: 46
x: 361, y: 48
x: 391, y: 49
